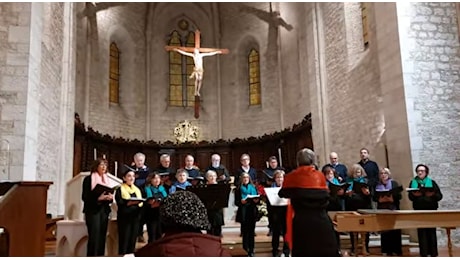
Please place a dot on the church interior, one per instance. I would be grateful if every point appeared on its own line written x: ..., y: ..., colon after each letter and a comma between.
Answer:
x: 87, y: 80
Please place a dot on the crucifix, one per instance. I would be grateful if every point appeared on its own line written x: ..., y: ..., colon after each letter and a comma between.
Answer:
x: 197, y: 53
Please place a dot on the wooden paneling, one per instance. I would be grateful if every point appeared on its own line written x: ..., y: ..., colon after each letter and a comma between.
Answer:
x: 259, y: 149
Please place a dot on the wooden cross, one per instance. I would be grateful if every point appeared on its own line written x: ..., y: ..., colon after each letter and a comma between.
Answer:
x: 198, y: 60
x: 197, y: 46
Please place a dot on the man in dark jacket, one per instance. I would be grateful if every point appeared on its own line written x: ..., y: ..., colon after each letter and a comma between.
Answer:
x: 183, y: 216
x: 312, y: 230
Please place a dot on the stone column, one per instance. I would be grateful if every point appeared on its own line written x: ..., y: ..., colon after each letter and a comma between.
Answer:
x: 18, y: 90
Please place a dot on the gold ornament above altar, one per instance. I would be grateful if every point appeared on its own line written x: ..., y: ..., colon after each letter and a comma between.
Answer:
x: 185, y: 131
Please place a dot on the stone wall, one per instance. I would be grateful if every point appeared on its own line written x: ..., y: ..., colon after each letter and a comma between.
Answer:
x: 14, y: 71
x: 50, y: 91
x: 430, y: 60
x: 123, y: 24
x: 351, y: 99
x: 294, y: 64
x: 40, y: 95
x: 281, y: 77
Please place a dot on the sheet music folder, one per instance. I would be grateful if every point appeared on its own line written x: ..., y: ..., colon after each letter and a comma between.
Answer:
x: 252, y: 197
x: 275, y: 200
x: 213, y: 196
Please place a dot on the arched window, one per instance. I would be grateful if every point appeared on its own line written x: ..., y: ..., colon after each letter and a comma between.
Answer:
x: 254, y: 78
x: 181, y: 86
x: 114, y: 74
x: 175, y: 72
x: 364, y: 16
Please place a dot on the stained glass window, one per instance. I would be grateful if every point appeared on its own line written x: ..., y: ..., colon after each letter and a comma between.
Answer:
x: 364, y: 15
x: 114, y: 73
x: 254, y: 78
x: 181, y: 86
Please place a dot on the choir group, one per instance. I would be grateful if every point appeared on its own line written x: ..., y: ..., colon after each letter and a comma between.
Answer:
x: 142, y: 198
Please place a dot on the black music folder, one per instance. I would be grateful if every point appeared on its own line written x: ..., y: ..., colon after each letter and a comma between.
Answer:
x: 164, y: 174
x: 334, y: 188
x: 157, y: 197
x: 99, y: 189
x: 422, y: 189
x: 213, y: 196
x: 357, y: 186
x: 141, y: 173
x: 263, y: 176
x: 389, y: 192
x: 136, y: 199
x: 198, y: 178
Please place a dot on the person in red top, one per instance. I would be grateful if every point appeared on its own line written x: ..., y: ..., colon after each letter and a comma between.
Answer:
x: 184, y: 216
x: 310, y: 230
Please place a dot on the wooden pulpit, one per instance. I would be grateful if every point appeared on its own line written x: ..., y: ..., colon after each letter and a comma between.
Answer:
x: 23, y: 216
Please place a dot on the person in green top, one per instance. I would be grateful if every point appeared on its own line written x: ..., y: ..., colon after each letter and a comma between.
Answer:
x: 425, y: 196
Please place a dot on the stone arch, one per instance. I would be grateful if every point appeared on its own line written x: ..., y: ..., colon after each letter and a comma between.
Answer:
x: 80, y: 247
x: 63, y: 247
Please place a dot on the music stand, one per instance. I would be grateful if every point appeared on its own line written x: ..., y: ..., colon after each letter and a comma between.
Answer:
x: 214, y: 196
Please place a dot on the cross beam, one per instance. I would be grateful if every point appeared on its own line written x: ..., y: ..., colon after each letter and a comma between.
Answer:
x: 197, y: 46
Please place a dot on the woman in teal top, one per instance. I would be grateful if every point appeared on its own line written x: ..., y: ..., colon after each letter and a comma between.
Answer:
x: 425, y: 196
x: 247, y: 211
x: 357, y: 198
x: 155, y: 193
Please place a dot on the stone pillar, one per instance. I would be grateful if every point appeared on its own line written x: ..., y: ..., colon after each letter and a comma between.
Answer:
x: 15, y: 66
x: 318, y: 97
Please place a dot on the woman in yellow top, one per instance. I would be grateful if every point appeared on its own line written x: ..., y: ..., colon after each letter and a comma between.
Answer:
x: 128, y: 214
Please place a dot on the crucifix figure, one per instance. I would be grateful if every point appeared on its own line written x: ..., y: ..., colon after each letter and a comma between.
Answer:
x: 197, y: 53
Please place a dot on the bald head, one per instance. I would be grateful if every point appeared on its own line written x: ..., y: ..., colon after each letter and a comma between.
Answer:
x: 333, y: 157
x: 305, y: 157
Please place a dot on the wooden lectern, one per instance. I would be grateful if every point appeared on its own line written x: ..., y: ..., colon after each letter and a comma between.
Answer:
x: 23, y: 216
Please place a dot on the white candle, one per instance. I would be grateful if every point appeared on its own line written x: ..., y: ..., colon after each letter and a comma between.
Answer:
x: 267, y: 163
x: 279, y: 156
x: 95, y: 154
x: 116, y: 168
